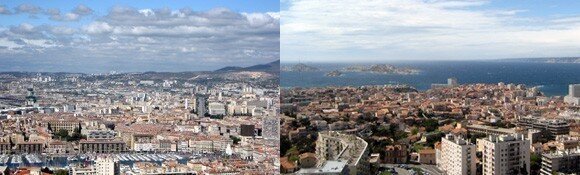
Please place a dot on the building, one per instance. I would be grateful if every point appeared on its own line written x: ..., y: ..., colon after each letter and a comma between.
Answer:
x: 215, y: 108
x: 451, y: 82
x: 201, y: 108
x: 271, y: 127
x: 66, y: 123
x: 573, y: 96
x: 561, y: 162
x: 102, y: 166
x: 102, y: 146
x: 457, y: 156
x: 247, y: 130
x: 57, y: 147
x: 395, y: 154
x: 31, y: 98
x: 338, y: 167
x: 489, y: 130
x: 506, y: 154
x: 552, y: 126
x: 339, y: 153
x: 427, y: 156
x: 30, y: 147
x: 106, y: 166
x: 307, y: 160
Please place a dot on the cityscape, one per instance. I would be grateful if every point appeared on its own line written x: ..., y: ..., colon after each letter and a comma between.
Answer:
x: 452, y: 128
x: 141, y: 123
x: 292, y: 87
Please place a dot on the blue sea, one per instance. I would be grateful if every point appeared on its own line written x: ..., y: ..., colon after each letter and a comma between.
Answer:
x: 552, y: 78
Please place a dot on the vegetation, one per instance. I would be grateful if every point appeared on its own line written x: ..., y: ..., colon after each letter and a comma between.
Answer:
x: 63, y: 134
x: 535, y: 163
x: 61, y: 172
x: 235, y: 139
x: 430, y: 125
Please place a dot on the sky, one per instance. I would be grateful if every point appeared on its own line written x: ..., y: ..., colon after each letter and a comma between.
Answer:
x: 137, y: 35
x: 403, y: 30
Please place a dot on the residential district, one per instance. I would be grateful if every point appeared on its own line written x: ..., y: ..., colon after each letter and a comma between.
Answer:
x: 454, y: 129
x: 139, y: 123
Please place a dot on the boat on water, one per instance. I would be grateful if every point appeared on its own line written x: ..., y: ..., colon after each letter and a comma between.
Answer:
x: 4, y: 159
x: 17, y: 159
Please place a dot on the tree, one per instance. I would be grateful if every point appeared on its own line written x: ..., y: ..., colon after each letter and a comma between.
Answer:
x: 62, y: 134
x: 535, y: 163
x: 430, y: 125
x: 49, y: 127
x: 414, y: 131
x: 235, y: 139
x: 61, y: 172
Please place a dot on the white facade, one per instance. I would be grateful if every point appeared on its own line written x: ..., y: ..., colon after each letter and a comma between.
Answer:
x: 457, y: 156
x: 216, y: 109
x: 505, y: 154
x: 574, y: 90
x: 573, y: 96
x: 105, y: 166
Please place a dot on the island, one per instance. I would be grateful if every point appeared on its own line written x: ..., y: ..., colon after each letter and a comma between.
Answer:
x: 382, y: 69
x: 334, y: 73
x: 571, y: 60
x: 300, y: 67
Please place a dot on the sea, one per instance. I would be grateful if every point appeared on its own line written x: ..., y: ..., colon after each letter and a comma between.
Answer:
x: 551, y: 78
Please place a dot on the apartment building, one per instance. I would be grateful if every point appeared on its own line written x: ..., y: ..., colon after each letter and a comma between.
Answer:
x: 505, y: 154
x: 457, y: 156
x: 561, y: 162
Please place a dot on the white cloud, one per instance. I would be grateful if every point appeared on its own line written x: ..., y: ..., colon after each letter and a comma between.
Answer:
x: 10, y: 45
x: 327, y: 30
x: 98, y: 27
x: 163, y: 36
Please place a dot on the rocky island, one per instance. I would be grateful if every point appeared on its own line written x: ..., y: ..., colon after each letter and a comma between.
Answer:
x: 334, y: 73
x: 572, y: 60
x: 383, y: 69
x: 300, y: 67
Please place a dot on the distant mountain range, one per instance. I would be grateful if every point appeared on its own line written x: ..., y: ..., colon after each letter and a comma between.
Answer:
x: 544, y: 60
x: 272, y: 67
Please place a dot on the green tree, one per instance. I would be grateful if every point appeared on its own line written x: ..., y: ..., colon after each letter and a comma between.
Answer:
x: 535, y: 163
x: 61, y: 172
x: 62, y: 134
x: 235, y: 139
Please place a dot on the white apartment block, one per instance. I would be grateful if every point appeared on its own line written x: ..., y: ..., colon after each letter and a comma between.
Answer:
x: 505, y: 154
x: 457, y: 156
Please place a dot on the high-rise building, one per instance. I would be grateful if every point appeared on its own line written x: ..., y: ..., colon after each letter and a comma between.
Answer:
x: 457, y: 156
x: 573, y: 96
x: 574, y: 90
x: 103, y: 166
x: 561, y: 162
x: 31, y: 97
x: 201, y: 101
x: 452, y: 82
x: 506, y: 154
x: 106, y: 166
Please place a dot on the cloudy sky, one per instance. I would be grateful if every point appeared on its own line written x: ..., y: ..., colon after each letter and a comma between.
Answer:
x: 386, y: 30
x: 136, y: 35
